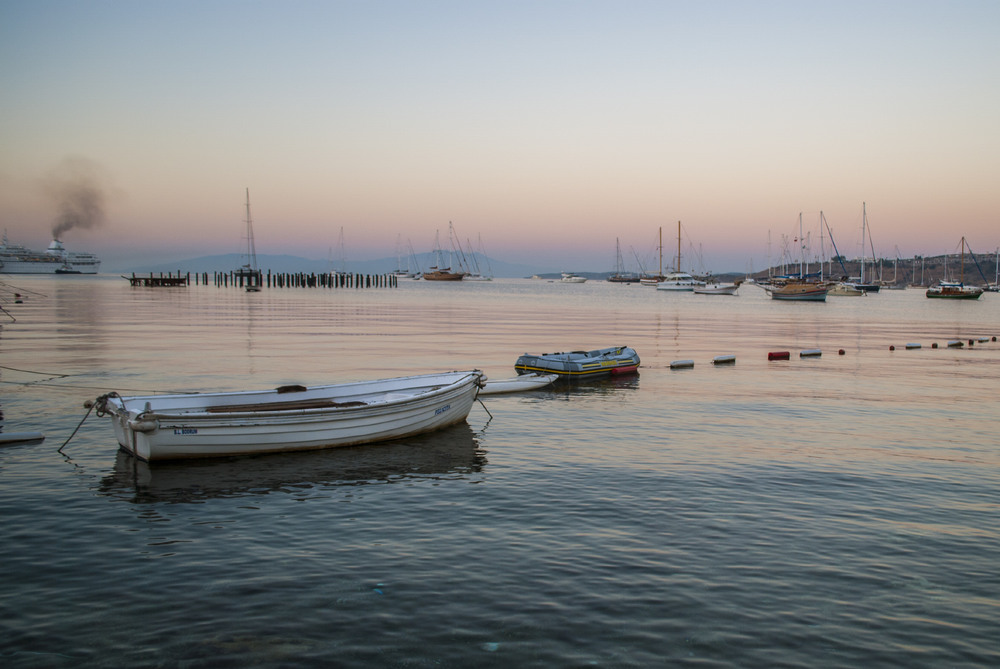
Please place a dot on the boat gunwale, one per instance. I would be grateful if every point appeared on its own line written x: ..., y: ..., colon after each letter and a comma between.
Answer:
x: 119, y: 405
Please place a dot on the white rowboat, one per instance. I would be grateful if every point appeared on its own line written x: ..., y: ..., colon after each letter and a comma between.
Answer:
x: 291, y: 418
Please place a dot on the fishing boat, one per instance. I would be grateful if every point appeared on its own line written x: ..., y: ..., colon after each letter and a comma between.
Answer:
x: 956, y: 290
x: 289, y: 418
x: 579, y: 364
x: 520, y: 383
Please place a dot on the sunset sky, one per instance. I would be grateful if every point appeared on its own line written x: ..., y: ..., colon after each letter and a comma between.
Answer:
x: 548, y: 128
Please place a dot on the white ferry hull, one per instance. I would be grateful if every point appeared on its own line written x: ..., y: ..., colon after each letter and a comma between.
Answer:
x: 17, y: 259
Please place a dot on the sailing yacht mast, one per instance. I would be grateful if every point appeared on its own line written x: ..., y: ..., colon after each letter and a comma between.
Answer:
x: 251, y: 248
x: 822, y: 247
x: 660, y: 246
x: 802, y: 247
x: 864, y: 221
x: 678, y: 246
x: 961, y: 266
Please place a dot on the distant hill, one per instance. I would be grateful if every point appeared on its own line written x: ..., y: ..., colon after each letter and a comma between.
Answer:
x: 285, y: 264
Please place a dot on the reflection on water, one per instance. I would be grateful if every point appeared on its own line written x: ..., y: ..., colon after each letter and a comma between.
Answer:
x: 831, y: 511
x: 608, y: 385
x: 452, y: 453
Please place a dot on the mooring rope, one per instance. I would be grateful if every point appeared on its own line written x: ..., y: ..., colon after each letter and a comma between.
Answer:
x: 480, y: 400
x: 31, y: 371
x: 89, y: 409
x: 100, y: 404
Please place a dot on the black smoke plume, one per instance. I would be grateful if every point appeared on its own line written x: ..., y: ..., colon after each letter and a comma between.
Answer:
x: 77, y: 187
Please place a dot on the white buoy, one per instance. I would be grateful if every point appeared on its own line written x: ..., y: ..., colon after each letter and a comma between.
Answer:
x: 810, y: 353
x: 955, y: 343
x: 724, y: 360
x: 681, y: 364
x: 913, y: 346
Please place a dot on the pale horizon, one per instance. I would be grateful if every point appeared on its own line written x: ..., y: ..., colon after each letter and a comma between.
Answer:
x: 547, y: 129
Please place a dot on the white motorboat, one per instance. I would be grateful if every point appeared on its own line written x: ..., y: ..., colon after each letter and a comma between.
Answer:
x: 846, y: 289
x: 569, y: 277
x: 680, y: 281
x: 290, y: 418
x: 716, y: 289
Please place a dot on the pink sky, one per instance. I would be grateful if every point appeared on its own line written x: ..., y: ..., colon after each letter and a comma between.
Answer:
x: 550, y: 129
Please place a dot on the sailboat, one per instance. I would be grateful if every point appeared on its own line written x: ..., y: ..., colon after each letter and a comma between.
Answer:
x: 655, y: 279
x: 843, y: 288
x: 248, y: 271
x: 996, y: 275
x: 620, y: 275
x: 797, y: 288
x: 476, y: 274
x: 956, y: 290
x: 678, y: 280
x: 439, y: 272
x: 340, y: 267
x: 401, y: 271
x: 871, y: 286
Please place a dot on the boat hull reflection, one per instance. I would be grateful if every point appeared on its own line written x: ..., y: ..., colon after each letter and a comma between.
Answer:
x: 451, y: 453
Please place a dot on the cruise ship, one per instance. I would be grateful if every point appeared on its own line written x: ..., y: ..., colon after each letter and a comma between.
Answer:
x: 17, y: 259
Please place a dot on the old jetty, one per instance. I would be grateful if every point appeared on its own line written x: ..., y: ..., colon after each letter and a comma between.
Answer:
x: 241, y: 279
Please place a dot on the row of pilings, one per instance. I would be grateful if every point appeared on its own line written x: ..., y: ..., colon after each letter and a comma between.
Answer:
x: 260, y: 279
x: 244, y: 279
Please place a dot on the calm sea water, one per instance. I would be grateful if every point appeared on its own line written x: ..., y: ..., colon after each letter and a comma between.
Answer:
x: 839, y: 511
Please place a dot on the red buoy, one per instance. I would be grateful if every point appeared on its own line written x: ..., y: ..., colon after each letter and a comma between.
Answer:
x: 778, y: 355
x: 892, y: 348
x: 840, y: 352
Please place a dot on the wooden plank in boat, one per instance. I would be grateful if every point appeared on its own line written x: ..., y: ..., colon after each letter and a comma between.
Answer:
x: 321, y: 403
